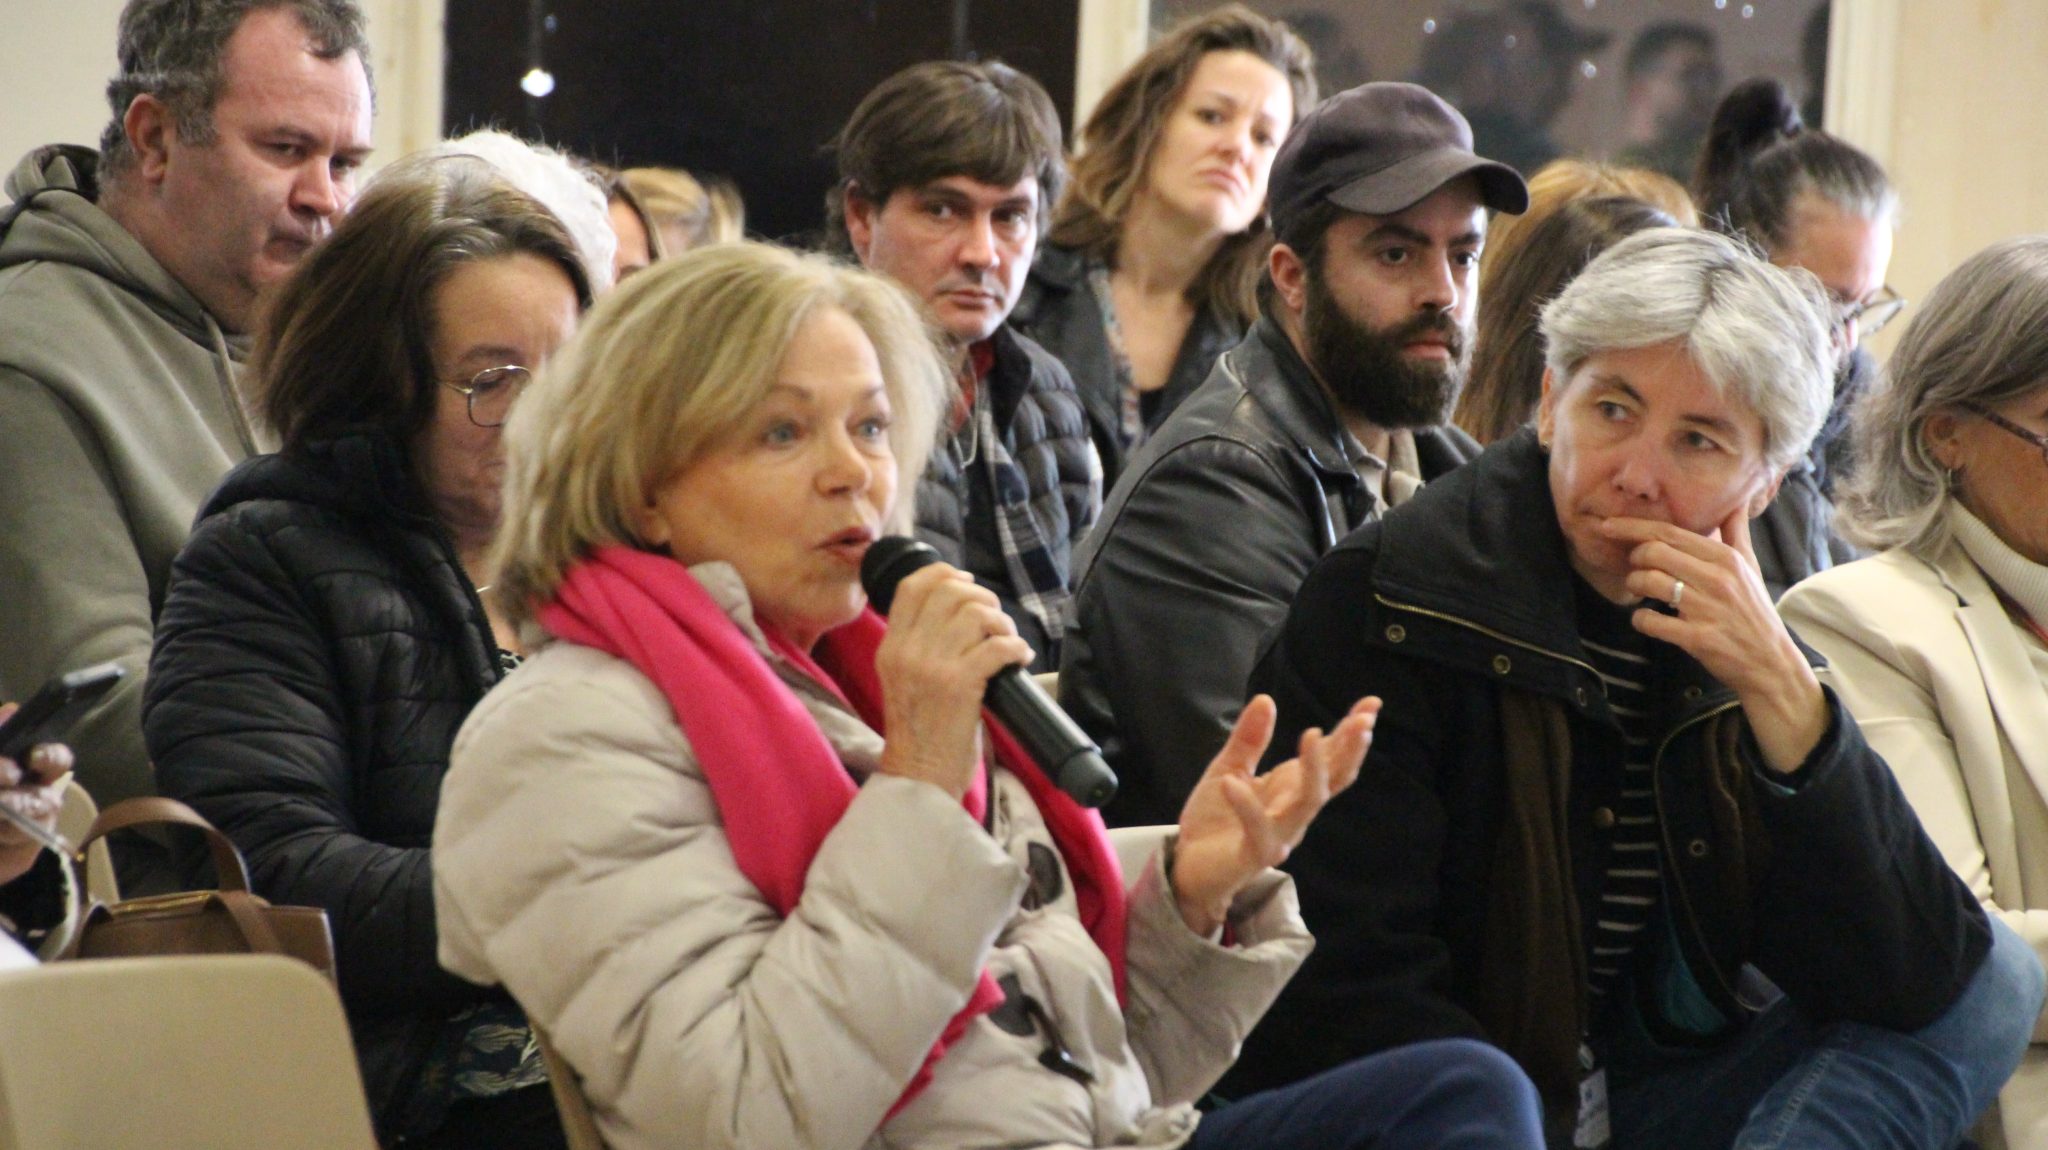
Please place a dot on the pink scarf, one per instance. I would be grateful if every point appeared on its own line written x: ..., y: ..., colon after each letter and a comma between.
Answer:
x: 649, y: 611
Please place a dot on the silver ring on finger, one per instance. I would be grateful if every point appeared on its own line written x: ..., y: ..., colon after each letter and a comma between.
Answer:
x: 1677, y: 593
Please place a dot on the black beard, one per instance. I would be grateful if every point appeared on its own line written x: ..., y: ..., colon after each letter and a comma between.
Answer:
x: 1365, y: 371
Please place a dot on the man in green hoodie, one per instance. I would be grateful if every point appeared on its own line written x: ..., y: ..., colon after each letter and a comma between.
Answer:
x: 129, y: 280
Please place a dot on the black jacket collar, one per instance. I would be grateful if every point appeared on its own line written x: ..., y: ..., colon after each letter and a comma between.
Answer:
x: 1483, y: 544
x: 1298, y: 406
x: 361, y: 473
x: 1009, y: 379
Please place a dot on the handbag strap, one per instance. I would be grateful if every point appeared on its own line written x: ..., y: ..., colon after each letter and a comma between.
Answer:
x: 229, y: 871
x: 247, y: 912
x: 245, y: 909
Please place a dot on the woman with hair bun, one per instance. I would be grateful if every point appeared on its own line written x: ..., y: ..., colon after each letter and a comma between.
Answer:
x: 1148, y: 272
x: 1809, y: 200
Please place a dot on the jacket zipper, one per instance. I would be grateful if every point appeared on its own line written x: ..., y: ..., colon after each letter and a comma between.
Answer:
x: 1656, y: 762
x: 1664, y: 832
x: 1486, y: 631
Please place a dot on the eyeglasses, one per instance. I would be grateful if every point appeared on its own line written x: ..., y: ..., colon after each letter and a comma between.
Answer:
x: 1872, y: 314
x: 1999, y: 421
x: 490, y: 393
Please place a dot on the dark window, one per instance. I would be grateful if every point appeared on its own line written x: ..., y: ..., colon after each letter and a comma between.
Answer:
x: 747, y: 89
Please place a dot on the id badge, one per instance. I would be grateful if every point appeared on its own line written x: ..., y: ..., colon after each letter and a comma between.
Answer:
x: 1592, y: 1132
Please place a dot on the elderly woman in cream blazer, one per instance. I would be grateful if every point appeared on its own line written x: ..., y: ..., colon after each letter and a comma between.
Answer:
x: 1939, y: 645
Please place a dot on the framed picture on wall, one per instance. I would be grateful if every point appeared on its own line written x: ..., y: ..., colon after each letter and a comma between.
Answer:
x: 1627, y: 81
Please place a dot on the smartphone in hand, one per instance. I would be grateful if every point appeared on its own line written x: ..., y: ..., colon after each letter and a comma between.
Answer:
x: 50, y: 714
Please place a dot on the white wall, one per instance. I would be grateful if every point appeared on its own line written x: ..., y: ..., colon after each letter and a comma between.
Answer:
x: 55, y: 59
x: 1964, y: 129
x: 1951, y: 95
x: 57, y: 55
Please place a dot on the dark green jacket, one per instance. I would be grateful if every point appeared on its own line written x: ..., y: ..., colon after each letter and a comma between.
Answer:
x: 119, y: 397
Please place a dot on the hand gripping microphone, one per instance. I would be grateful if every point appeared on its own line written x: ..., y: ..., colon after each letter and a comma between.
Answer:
x: 1061, y: 749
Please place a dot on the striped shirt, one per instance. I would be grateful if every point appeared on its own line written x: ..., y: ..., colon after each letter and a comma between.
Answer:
x: 1629, y: 890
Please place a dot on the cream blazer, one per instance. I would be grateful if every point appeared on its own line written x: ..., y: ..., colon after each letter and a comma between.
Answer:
x: 1939, y: 678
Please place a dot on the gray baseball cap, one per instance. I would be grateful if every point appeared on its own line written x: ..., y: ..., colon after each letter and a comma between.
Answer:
x: 1380, y: 149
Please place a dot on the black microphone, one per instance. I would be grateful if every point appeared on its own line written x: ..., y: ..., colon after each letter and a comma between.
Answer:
x: 1061, y: 749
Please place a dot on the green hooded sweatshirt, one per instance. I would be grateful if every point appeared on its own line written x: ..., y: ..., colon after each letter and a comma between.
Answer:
x: 120, y: 408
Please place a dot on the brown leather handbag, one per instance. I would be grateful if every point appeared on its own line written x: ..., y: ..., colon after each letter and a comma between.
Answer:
x: 229, y: 920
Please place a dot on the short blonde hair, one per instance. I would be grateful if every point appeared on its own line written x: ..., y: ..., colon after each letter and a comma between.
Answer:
x: 663, y: 370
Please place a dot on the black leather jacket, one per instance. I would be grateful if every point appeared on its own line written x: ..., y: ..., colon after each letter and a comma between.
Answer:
x: 1058, y: 308
x: 318, y: 647
x: 1200, y: 548
x: 1456, y: 605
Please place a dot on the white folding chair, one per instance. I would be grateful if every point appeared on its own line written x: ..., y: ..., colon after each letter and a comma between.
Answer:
x: 74, y: 822
x: 577, y: 1123
x: 213, y: 1052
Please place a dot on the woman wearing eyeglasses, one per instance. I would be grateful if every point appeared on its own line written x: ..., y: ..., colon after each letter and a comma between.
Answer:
x: 330, y: 624
x: 1939, y: 645
x: 1809, y: 200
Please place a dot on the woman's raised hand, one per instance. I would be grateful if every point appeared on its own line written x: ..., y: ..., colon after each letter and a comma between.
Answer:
x: 1237, y: 823
x: 947, y: 637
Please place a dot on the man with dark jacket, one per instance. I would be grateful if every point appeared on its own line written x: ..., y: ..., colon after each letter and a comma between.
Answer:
x: 1331, y: 410
x: 1607, y: 798
x: 128, y: 278
x: 946, y: 172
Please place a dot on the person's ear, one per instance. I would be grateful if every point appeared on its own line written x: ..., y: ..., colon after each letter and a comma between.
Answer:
x: 149, y: 126
x: 1942, y: 436
x: 860, y: 220
x: 1290, y: 277
x: 650, y: 526
x: 1762, y: 497
x: 1546, y: 409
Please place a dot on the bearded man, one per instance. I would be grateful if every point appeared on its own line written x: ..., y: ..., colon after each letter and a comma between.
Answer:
x: 1332, y: 410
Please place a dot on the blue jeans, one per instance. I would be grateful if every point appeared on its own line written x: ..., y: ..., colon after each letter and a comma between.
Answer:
x: 1449, y: 1094
x: 1787, y: 1083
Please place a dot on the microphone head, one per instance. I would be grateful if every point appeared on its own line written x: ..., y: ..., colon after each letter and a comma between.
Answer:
x: 888, y: 560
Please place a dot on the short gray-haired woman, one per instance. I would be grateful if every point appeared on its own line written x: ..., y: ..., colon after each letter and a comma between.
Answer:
x: 1939, y: 645
x: 1606, y: 779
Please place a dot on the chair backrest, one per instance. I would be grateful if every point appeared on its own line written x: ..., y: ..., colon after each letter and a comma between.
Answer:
x: 214, y: 1052
x: 577, y: 1122
x: 74, y: 822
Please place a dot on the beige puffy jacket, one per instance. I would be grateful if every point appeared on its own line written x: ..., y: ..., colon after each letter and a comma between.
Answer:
x: 579, y: 859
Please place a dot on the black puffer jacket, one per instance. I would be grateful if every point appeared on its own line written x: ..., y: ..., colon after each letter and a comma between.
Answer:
x: 318, y: 648
x: 1059, y: 309
x: 1044, y: 429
